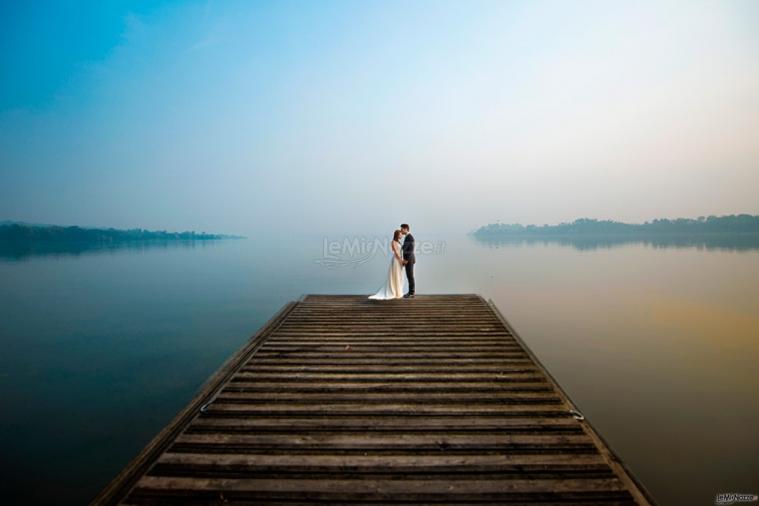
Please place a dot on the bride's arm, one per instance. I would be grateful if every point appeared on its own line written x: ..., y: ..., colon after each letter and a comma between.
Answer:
x: 396, y: 252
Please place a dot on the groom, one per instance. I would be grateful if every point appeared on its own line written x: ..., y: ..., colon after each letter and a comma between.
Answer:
x: 408, y: 259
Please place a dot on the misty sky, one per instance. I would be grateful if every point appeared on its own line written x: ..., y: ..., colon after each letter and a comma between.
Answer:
x: 325, y: 116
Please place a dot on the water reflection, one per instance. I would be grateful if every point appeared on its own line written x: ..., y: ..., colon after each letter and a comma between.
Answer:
x: 711, y: 242
x: 25, y: 250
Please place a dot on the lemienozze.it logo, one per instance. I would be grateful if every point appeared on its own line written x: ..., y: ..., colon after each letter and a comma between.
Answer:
x: 352, y: 251
x: 732, y: 498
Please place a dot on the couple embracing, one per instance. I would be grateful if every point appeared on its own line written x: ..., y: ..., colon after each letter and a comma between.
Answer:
x: 403, y: 257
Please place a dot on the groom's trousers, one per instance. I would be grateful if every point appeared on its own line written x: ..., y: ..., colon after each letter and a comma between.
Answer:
x: 410, y: 277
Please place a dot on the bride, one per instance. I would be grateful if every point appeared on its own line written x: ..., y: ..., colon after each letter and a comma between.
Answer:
x: 393, y: 288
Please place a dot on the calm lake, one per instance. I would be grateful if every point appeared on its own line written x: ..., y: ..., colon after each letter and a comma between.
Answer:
x: 657, y: 344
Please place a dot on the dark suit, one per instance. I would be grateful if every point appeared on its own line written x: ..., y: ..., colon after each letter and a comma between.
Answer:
x: 408, y: 254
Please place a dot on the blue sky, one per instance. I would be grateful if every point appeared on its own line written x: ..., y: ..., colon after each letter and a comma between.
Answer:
x: 324, y: 116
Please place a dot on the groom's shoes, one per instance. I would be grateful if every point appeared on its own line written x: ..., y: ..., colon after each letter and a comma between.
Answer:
x: 408, y: 296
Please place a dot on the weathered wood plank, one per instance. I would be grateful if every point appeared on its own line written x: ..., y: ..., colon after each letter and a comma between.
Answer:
x: 388, y: 387
x: 400, y: 374
x: 371, y: 423
x: 379, y: 460
x: 389, y: 487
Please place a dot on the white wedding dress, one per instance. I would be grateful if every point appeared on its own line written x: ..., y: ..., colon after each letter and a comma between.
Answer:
x: 393, y: 288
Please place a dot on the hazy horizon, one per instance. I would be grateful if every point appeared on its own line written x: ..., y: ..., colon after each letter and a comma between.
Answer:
x: 323, y: 117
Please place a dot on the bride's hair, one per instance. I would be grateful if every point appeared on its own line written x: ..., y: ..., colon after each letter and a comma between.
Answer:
x: 397, y: 235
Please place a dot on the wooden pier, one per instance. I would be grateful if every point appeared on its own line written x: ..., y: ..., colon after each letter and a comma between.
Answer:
x: 343, y: 400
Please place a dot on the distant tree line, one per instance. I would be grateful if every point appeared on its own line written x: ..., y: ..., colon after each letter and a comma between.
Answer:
x: 16, y: 232
x: 731, y: 224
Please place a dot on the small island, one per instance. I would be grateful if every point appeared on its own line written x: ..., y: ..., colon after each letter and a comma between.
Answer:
x: 19, y: 240
x: 731, y: 224
x: 735, y: 231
